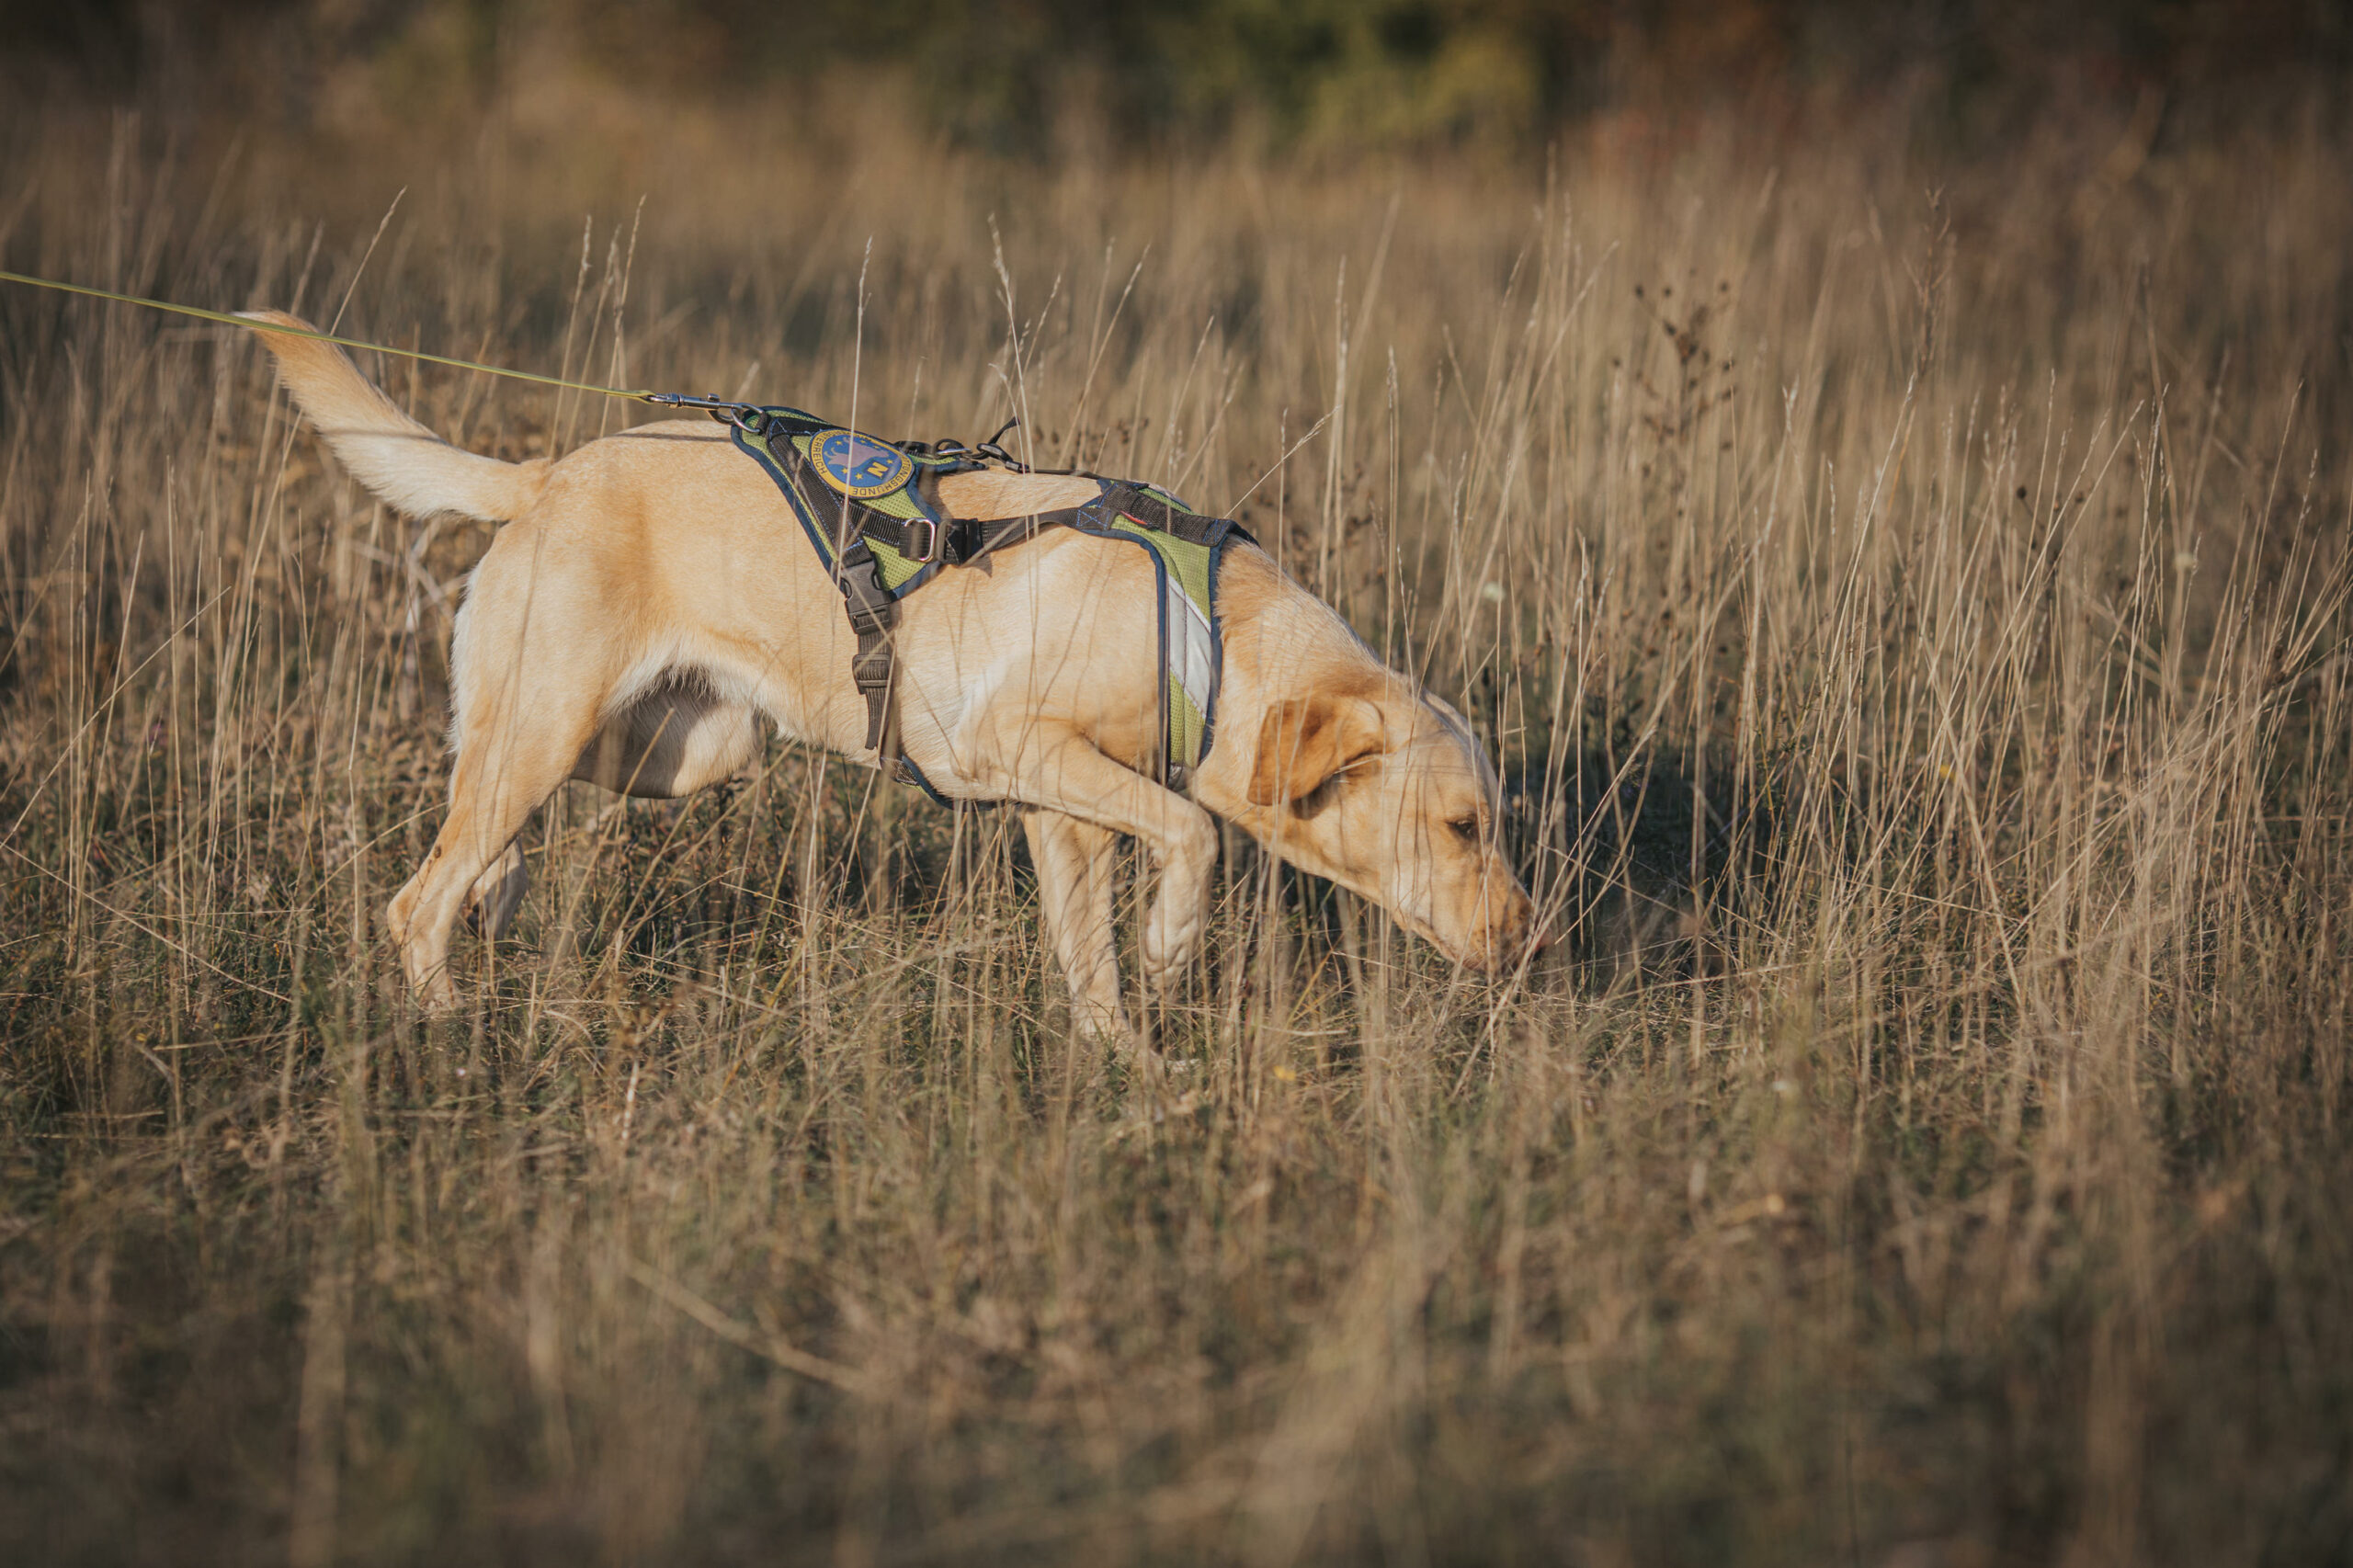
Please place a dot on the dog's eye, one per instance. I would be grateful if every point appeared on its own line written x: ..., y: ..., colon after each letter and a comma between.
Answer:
x: 1466, y: 829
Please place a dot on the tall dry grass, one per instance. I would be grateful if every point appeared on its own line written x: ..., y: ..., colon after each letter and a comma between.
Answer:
x: 1912, y: 626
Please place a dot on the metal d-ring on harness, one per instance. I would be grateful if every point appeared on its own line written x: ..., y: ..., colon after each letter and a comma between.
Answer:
x: 873, y: 512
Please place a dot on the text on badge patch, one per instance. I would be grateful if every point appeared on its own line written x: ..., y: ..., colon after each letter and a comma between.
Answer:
x: 859, y: 466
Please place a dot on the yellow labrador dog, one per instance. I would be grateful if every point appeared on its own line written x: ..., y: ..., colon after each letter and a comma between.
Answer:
x: 651, y: 600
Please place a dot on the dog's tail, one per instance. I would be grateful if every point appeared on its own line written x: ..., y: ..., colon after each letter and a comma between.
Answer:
x: 404, y: 463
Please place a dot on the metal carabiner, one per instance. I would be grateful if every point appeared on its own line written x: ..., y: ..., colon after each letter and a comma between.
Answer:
x: 992, y: 447
x: 745, y: 417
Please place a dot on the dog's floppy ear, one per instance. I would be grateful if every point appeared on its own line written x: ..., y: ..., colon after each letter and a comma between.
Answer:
x: 1305, y: 740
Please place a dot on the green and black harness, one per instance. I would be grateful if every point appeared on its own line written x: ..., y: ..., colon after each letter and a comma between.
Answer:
x: 873, y: 512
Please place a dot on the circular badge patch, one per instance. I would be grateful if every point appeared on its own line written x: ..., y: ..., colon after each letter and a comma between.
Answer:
x: 859, y: 466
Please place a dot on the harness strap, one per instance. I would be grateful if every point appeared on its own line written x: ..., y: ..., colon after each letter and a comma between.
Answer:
x: 873, y: 615
x: 1146, y: 516
x: 882, y: 534
x: 1141, y: 504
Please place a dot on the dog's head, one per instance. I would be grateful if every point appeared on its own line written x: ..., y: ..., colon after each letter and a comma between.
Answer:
x: 1385, y: 791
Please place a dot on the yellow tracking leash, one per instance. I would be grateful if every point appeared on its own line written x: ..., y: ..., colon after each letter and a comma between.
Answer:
x: 672, y: 399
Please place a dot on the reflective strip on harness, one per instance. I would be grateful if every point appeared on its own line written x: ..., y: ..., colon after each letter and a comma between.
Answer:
x: 1187, y: 572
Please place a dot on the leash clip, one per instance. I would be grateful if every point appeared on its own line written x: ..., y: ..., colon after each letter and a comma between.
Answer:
x: 745, y: 417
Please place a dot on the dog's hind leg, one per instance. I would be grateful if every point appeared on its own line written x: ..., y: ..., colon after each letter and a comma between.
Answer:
x: 518, y: 739
x: 503, y: 774
x: 491, y: 902
x: 1074, y: 862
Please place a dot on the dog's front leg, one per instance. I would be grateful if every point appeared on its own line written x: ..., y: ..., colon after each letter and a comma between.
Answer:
x: 1056, y: 768
x: 1074, y: 861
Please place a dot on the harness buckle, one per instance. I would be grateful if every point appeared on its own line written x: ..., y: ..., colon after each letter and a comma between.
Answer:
x: 930, y: 540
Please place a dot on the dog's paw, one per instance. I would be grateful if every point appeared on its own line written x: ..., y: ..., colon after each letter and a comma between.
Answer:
x: 1172, y: 939
x: 435, y: 992
x: 1181, y: 914
x: 1114, y: 1033
x: 1156, y: 1106
x: 1173, y: 933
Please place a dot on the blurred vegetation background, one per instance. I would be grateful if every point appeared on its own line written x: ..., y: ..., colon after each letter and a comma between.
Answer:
x: 1876, y: 475
x: 1030, y: 77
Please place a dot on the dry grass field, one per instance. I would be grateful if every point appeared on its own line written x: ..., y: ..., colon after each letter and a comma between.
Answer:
x: 1907, y: 600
